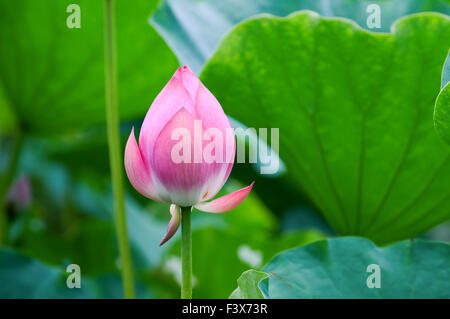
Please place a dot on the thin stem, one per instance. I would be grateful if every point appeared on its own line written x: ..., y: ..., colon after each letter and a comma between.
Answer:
x: 7, y: 181
x: 115, y: 159
x: 186, y: 253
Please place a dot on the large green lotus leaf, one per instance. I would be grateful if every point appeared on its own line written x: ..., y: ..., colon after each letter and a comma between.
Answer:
x: 346, y: 267
x: 54, y: 76
x: 442, y: 106
x: 25, y: 277
x: 182, y: 22
x: 354, y: 109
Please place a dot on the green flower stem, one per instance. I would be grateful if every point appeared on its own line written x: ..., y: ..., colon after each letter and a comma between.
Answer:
x: 186, y: 253
x: 6, y: 183
x: 115, y: 158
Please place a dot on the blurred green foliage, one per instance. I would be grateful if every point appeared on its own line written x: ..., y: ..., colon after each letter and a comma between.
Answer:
x: 52, y: 97
x: 46, y: 65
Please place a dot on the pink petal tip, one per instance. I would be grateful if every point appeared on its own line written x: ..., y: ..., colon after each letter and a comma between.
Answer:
x: 225, y: 203
x: 174, y: 223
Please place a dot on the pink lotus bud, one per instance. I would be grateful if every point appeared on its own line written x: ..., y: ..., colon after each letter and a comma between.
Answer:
x: 19, y: 194
x: 186, y: 150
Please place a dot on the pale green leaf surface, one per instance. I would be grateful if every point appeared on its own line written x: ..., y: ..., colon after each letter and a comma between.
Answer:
x: 446, y: 72
x: 248, y: 285
x: 442, y: 106
x: 182, y: 22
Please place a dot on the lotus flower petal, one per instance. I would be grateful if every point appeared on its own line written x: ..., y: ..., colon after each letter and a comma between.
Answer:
x: 174, y: 223
x: 169, y: 101
x: 19, y: 194
x: 225, y: 203
x: 189, y: 81
x: 184, y: 182
x: 213, y: 117
x: 137, y: 171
